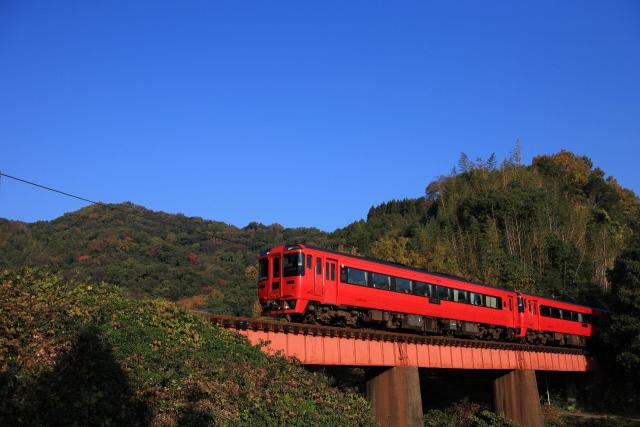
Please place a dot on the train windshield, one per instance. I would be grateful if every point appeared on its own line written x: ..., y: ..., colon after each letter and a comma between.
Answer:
x: 263, y: 270
x: 293, y: 264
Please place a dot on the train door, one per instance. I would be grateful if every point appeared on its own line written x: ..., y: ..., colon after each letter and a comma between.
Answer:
x: 522, y: 315
x: 331, y: 281
x: 513, y: 314
x: 263, y: 277
x: 318, y: 278
x: 532, y: 314
x: 276, y: 273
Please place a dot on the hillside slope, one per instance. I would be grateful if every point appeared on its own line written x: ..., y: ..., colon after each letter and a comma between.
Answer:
x: 79, y: 354
x: 149, y: 253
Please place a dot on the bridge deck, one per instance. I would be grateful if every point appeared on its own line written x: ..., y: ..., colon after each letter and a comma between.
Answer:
x: 325, y: 345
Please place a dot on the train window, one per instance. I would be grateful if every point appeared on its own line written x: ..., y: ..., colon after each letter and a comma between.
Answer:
x: 559, y: 313
x: 403, y: 285
x: 466, y: 297
x: 421, y: 289
x: 441, y: 292
x: 476, y: 299
x: 319, y: 266
x: 327, y: 274
x: 492, y: 302
x: 309, y: 262
x: 460, y: 296
x: 448, y: 295
x: 435, y: 291
x: 354, y: 276
x: 333, y: 271
x: 520, y: 305
x: 380, y: 281
x: 293, y: 264
x: 263, y: 269
x: 276, y: 267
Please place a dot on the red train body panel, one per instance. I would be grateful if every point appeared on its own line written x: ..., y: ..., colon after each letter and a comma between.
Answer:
x: 293, y: 277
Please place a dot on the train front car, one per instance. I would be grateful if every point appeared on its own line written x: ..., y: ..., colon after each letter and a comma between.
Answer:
x: 281, y: 279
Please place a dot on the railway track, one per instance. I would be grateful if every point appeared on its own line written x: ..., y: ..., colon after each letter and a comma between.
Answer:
x: 272, y: 325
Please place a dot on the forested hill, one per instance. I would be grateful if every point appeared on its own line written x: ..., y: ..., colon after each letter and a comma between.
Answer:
x: 555, y: 226
x: 150, y: 253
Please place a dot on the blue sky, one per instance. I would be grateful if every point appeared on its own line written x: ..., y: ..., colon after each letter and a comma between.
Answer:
x: 302, y: 113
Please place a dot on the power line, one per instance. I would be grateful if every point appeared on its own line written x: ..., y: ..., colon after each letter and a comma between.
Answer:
x: 56, y: 191
x: 118, y: 208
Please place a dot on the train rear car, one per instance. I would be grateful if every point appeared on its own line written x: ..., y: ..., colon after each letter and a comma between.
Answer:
x: 547, y: 320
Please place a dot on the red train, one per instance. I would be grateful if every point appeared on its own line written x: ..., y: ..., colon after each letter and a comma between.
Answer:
x: 310, y: 284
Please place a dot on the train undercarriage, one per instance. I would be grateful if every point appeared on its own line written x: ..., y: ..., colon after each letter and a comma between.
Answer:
x: 355, y: 317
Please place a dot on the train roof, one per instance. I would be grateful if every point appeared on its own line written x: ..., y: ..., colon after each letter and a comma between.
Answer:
x: 408, y: 267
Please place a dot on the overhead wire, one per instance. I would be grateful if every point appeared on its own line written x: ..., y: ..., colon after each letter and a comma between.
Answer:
x: 121, y: 209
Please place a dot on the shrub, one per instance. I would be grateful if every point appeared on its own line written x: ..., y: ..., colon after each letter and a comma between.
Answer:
x: 86, y: 354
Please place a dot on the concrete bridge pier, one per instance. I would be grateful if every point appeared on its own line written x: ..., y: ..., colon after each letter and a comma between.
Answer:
x: 395, y: 398
x: 515, y: 394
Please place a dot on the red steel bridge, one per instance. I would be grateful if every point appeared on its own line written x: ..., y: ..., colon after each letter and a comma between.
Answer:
x: 395, y: 392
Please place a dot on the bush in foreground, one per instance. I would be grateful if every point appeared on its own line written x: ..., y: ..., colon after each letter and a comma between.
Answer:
x: 465, y: 414
x: 86, y: 354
